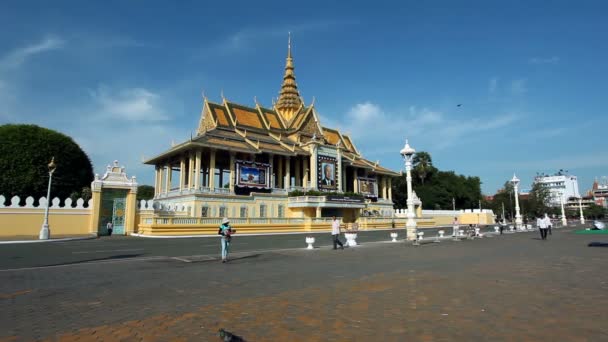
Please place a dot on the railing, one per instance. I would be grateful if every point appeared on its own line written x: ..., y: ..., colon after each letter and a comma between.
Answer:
x: 301, y: 199
x: 279, y: 191
x: 218, y: 220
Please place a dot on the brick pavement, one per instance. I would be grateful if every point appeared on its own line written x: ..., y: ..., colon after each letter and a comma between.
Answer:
x: 513, y: 288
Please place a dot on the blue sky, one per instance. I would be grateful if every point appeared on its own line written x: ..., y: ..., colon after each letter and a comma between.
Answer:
x: 124, y: 78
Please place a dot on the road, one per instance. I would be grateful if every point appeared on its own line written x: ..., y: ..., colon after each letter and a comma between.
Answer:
x: 513, y: 287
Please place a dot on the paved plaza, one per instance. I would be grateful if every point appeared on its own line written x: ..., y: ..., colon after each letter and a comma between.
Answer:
x: 514, y: 287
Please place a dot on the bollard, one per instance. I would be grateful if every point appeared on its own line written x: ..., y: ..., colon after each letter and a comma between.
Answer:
x: 394, y: 237
x: 510, y: 228
x: 310, y: 240
x: 477, y: 232
x: 496, y: 229
x: 441, y: 232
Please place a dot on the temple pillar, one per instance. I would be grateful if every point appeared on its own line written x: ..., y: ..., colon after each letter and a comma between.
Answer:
x: 190, y: 170
x: 384, y: 192
x: 168, y: 176
x: 271, y: 163
x: 212, y: 169
x: 338, y: 171
x: 318, y: 213
x: 182, y: 172
x: 232, y: 171
x: 355, y: 184
x: 197, y: 170
x: 157, y: 173
x: 390, y: 188
x: 313, y: 168
x: 287, y: 180
x: 305, y: 173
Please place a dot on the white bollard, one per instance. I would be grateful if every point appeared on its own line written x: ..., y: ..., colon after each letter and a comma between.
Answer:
x: 496, y: 229
x: 310, y: 240
x: 419, y: 236
x: 441, y: 232
x: 394, y: 237
x: 477, y: 231
x: 351, y: 239
x: 511, y: 228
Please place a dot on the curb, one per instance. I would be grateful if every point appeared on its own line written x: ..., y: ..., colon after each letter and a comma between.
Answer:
x: 93, y: 236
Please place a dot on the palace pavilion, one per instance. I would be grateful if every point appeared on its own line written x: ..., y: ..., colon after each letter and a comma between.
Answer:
x: 262, y: 164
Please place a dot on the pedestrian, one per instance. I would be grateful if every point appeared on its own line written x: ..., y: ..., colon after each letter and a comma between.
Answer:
x: 110, y: 228
x: 542, y: 227
x: 549, y: 224
x: 502, y: 226
x: 455, y: 227
x: 335, y: 233
x: 226, y: 232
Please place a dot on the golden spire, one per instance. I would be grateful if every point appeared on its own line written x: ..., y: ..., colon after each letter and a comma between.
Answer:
x: 289, y: 102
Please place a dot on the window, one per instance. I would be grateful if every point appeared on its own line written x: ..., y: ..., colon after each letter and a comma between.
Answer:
x: 262, y: 210
x: 243, y: 212
x: 205, y: 212
x: 223, y: 212
x: 281, y: 212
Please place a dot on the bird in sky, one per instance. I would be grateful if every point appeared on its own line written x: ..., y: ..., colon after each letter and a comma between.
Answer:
x: 459, y: 105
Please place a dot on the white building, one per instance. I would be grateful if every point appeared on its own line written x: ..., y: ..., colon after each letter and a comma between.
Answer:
x: 561, y: 187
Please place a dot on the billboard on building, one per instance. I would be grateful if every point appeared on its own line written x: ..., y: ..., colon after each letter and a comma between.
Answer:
x: 327, y: 173
x: 252, y: 175
x: 368, y: 187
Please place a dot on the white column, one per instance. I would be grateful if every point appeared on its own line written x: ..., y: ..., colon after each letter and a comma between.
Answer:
x: 272, y: 170
x: 518, y: 220
x: 182, y: 173
x: 287, y: 180
x: 168, y: 175
x: 157, y: 181
x: 355, y: 183
x: 232, y: 171
x: 564, y: 220
x: 580, y: 207
x: 190, y: 170
x: 212, y: 169
x: 197, y: 171
x: 305, y: 172
x: 313, y: 167
x: 339, y: 171
x: 390, y: 188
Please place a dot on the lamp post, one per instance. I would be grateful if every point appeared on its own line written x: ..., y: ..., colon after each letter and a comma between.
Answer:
x: 408, y: 154
x: 453, y: 204
x: 45, y: 233
x: 515, y: 182
x: 564, y: 220
x: 580, y: 207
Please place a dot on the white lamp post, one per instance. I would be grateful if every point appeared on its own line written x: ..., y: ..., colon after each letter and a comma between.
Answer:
x: 564, y: 220
x: 518, y: 221
x: 45, y: 233
x: 408, y: 154
x: 580, y: 207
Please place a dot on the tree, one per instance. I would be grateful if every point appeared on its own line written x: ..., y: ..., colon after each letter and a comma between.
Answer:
x: 145, y: 192
x: 594, y: 211
x: 25, y: 151
x: 422, y: 165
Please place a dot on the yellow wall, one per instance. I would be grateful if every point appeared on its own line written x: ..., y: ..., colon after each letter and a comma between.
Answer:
x: 27, y: 221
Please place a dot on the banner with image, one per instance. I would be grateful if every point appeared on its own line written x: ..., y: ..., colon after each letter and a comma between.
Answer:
x: 327, y: 173
x: 252, y: 175
x: 368, y: 187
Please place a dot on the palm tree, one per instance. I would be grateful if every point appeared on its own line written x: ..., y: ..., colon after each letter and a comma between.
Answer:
x: 422, y: 164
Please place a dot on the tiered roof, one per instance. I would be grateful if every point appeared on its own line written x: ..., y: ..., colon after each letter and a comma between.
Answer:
x: 284, y: 130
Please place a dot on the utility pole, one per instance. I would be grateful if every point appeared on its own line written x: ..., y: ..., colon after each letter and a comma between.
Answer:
x: 453, y: 204
x: 504, y: 220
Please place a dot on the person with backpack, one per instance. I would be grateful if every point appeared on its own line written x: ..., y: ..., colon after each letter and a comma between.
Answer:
x: 226, y: 232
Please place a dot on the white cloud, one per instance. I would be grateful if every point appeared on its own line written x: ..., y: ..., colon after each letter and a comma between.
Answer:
x: 518, y: 86
x: 544, y: 60
x: 18, y: 56
x: 134, y: 104
x: 378, y: 132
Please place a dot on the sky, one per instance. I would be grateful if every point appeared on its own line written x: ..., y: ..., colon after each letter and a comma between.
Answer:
x: 488, y: 88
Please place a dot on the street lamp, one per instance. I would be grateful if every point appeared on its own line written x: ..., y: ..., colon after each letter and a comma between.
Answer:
x: 580, y: 207
x: 408, y: 154
x: 45, y: 233
x: 564, y: 220
x: 515, y: 182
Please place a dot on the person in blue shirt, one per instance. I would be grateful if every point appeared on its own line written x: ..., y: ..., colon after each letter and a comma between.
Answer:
x: 226, y: 232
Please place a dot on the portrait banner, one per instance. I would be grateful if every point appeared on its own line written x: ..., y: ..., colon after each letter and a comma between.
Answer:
x: 368, y: 187
x: 327, y: 173
x: 252, y: 175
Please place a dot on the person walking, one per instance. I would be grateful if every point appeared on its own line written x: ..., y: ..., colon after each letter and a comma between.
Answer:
x: 542, y: 227
x: 226, y: 232
x: 110, y: 228
x: 502, y: 226
x: 455, y: 227
x: 549, y: 224
x: 335, y: 233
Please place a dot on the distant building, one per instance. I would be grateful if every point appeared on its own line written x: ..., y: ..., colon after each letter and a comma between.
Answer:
x: 599, y: 191
x: 562, y: 186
